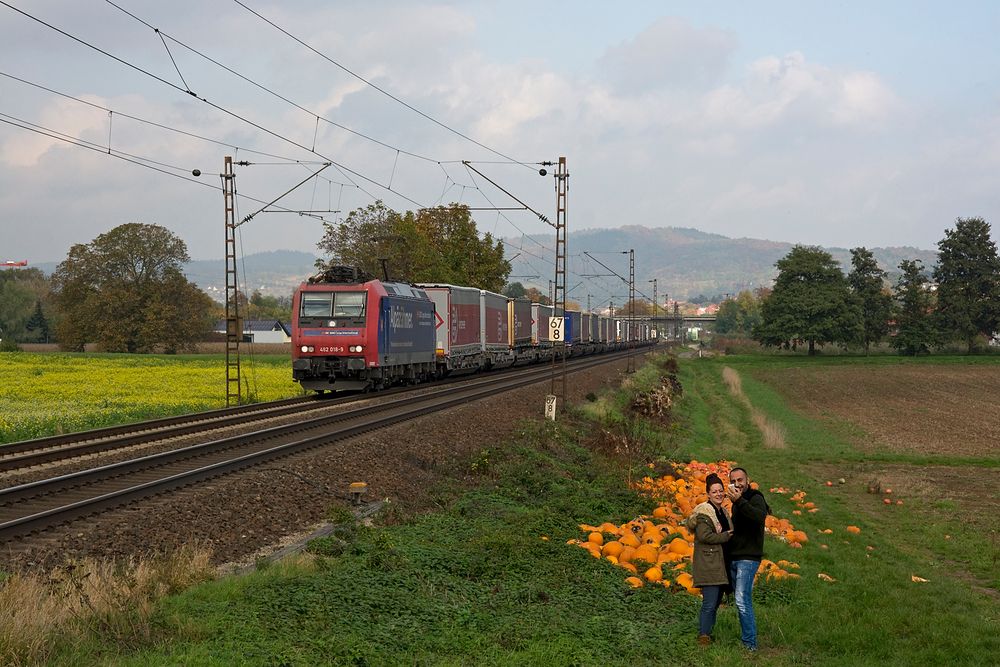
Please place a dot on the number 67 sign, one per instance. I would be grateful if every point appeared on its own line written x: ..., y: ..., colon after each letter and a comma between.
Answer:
x: 556, y: 329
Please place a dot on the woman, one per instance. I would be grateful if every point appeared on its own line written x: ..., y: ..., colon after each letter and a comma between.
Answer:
x: 712, y: 527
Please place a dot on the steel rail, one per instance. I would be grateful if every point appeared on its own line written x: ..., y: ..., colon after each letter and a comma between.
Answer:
x: 398, y: 411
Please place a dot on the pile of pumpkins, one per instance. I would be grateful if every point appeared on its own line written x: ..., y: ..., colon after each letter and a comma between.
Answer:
x: 656, y: 549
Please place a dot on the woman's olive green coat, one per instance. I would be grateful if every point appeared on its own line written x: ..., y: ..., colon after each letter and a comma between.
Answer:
x: 708, y: 563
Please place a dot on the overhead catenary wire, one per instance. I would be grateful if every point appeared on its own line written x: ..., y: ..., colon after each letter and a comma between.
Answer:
x: 151, y: 123
x: 341, y: 167
x: 398, y: 151
x: 345, y: 171
x: 318, y: 117
x: 148, y: 163
x: 379, y: 88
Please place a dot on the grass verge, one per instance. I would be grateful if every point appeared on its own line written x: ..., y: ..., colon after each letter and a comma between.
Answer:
x: 490, y: 580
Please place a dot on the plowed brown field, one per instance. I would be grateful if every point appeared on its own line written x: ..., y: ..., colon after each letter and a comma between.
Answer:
x: 918, y: 409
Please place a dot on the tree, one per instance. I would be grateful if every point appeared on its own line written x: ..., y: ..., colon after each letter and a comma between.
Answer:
x: 433, y: 245
x: 866, y: 281
x: 968, y: 281
x: 457, y: 254
x: 810, y: 302
x: 269, y: 307
x: 738, y: 315
x: 641, y: 308
x: 536, y: 296
x: 37, y: 326
x: 727, y: 320
x: 125, y: 291
x: 15, y: 309
x: 514, y: 290
x: 21, y: 291
x: 915, y: 332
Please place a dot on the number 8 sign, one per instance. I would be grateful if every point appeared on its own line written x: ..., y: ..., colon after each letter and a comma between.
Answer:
x: 555, y: 328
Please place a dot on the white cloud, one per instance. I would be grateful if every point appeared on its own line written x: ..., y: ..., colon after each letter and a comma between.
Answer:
x: 790, y: 87
x: 670, y: 53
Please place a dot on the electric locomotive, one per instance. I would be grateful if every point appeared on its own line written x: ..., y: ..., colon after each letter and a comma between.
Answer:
x: 351, y: 331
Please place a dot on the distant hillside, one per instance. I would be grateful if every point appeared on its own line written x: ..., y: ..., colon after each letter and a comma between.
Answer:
x: 275, y: 273
x: 686, y: 262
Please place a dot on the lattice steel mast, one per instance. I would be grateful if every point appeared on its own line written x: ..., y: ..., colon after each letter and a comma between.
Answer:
x: 558, y: 387
x: 234, y: 327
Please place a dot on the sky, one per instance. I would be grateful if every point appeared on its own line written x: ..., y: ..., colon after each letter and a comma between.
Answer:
x: 828, y: 123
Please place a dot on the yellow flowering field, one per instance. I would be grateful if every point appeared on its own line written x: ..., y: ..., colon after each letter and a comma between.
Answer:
x: 46, y: 394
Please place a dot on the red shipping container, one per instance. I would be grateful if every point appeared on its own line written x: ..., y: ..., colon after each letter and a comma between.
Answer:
x: 493, y: 320
x: 519, y: 321
x: 458, y: 317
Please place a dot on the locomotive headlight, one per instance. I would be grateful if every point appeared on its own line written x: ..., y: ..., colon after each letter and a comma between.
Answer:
x: 355, y: 348
x: 304, y: 348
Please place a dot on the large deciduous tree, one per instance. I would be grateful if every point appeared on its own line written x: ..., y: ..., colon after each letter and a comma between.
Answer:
x: 915, y: 331
x: 867, y: 283
x: 126, y: 292
x: 433, y: 245
x: 810, y: 302
x: 968, y: 281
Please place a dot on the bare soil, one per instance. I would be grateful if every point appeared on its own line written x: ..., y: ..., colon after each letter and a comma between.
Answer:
x: 253, y: 512
x: 925, y: 409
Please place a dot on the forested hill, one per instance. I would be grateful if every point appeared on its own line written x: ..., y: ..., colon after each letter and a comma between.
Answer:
x: 686, y: 262
x: 275, y: 273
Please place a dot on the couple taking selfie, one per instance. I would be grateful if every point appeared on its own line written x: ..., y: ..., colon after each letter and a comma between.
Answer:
x: 727, y: 551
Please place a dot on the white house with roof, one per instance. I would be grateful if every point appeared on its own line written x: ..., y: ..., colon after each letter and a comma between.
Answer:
x: 261, y: 331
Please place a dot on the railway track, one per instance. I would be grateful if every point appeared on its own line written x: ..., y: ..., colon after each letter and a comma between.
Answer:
x: 37, y: 506
x: 23, y: 455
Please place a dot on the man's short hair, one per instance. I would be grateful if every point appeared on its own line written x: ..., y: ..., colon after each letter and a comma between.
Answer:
x: 742, y: 469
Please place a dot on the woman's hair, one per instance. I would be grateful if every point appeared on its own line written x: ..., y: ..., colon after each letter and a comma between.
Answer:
x: 712, y: 480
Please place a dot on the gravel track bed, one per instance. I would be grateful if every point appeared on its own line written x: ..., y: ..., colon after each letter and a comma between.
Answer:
x: 88, y: 461
x: 253, y: 512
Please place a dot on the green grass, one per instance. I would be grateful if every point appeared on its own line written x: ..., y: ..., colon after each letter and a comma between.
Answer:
x: 477, y: 584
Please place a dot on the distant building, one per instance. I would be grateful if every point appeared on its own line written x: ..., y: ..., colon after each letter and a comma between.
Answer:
x: 710, y: 309
x: 261, y: 331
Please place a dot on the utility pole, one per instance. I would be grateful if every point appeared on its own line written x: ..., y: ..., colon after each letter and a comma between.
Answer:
x: 631, y: 308
x: 655, y: 302
x: 234, y: 325
x: 559, y: 286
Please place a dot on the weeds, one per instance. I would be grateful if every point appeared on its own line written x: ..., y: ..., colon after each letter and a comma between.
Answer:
x: 108, y: 599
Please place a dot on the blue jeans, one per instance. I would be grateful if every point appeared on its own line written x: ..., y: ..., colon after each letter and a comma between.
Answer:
x: 741, y: 573
x: 711, y: 596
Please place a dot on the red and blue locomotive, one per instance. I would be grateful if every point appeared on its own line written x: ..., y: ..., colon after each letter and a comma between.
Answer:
x: 352, y: 331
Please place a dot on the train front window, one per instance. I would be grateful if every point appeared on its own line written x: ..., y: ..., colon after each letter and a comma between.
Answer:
x: 317, y: 304
x: 349, y: 304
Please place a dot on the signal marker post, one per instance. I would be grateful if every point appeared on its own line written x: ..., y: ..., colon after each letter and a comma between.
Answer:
x: 550, y: 407
x: 556, y: 328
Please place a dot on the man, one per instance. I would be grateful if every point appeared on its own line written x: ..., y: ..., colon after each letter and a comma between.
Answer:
x: 746, y: 548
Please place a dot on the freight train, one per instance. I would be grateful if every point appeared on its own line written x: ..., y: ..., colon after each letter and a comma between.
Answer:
x: 351, y: 331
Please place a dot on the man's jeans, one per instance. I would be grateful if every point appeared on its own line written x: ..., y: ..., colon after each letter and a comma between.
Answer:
x: 741, y: 573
